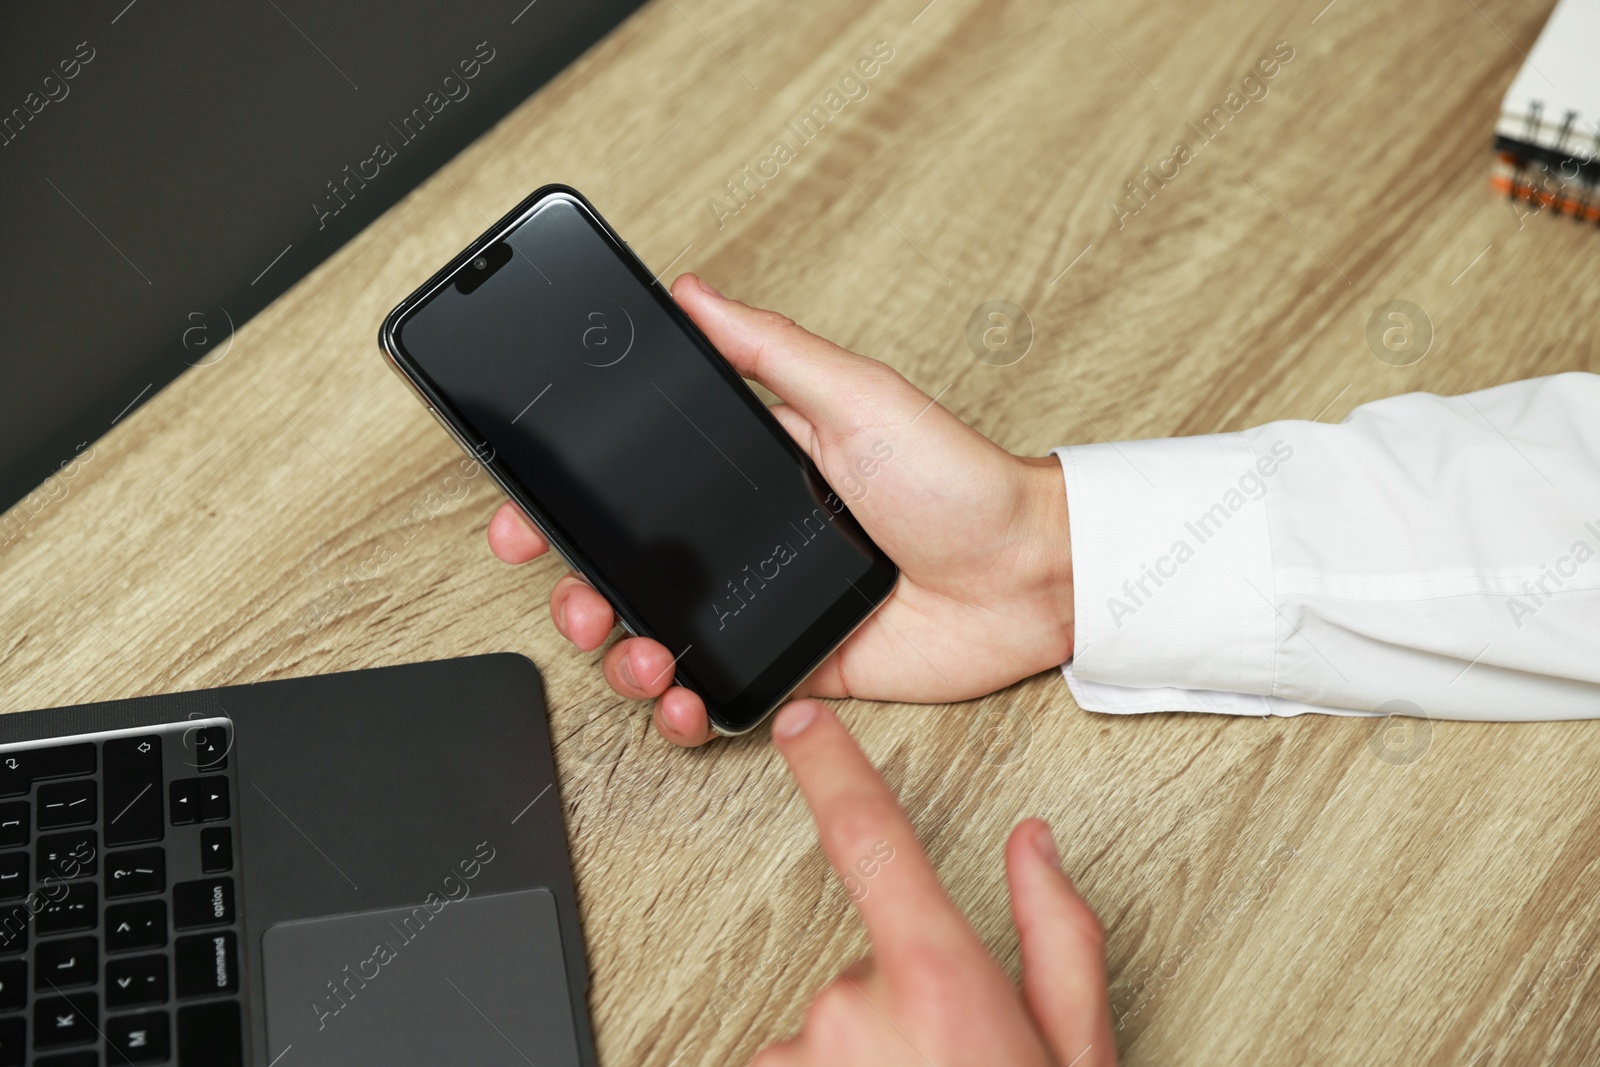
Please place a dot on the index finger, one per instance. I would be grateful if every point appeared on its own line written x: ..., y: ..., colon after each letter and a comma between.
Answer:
x: 867, y: 837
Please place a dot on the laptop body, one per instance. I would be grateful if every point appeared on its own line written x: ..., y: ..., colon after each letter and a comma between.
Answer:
x: 368, y: 867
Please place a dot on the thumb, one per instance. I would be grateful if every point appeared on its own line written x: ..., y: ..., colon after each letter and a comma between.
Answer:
x: 832, y: 388
x: 1063, y: 952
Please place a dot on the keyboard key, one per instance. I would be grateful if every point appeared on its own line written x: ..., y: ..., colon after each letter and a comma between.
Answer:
x: 206, y: 964
x: 210, y: 1035
x: 68, y: 1020
x: 14, y: 824
x: 67, y: 804
x: 76, y: 909
x: 134, y: 981
x: 185, y: 801
x: 14, y: 1042
x: 216, y: 850
x: 136, y: 926
x: 13, y: 985
x: 142, y: 1038
x: 135, y: 872
x: 13, y: 875
x: 210, y: 747
x: 133, y: 792
x: 82, y: 1058
x: 60, y: 965
x: 199, y: 799
x: 213, y: 799
x: 20, y: 768
x: 208, y: 902
x: 14, y: 929
x: 74, y: 854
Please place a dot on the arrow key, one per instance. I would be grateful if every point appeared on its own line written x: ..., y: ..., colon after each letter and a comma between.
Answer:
x: 185, y: 801
x: 216, y: 850
x: 210, y: 747
x: 213, y: 799
x: 136, y: 981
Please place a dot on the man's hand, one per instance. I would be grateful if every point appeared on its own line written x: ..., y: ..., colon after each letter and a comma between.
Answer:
x: 980, y: 535
x: 930, y: 993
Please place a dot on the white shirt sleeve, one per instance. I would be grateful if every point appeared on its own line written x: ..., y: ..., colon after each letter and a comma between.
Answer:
x: 1441, y: 551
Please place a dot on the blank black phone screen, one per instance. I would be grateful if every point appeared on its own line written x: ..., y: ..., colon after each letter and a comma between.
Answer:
x: 640, y: 450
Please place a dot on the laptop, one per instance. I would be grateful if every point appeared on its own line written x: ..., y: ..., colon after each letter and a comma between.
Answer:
x: 356, y: 868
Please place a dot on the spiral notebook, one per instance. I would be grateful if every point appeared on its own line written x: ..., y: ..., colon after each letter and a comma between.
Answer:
x: 1547, y: 140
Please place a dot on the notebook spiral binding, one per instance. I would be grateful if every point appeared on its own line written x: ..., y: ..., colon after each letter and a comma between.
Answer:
x: 1562, y: 177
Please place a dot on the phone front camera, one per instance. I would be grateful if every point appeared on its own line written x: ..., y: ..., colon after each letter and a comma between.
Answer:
x: 481, y: 263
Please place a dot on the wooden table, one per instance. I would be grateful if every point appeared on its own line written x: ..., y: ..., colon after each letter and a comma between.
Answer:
x: 1274, y: 892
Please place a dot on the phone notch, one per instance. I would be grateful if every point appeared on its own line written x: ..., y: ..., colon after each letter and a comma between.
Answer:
x: 482, y: 266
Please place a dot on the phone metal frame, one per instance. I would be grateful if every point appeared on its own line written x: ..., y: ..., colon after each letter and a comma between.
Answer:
x: 439, y: 407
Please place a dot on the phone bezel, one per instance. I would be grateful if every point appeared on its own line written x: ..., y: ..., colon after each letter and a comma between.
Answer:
x: 780, y: 679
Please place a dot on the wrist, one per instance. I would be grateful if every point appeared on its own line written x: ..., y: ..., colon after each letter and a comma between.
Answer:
x: 1050, y: 547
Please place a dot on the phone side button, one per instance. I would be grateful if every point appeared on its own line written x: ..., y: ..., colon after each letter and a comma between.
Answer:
x: 447, y: 428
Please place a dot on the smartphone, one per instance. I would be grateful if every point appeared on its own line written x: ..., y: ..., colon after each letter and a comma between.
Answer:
x: 555, y: 359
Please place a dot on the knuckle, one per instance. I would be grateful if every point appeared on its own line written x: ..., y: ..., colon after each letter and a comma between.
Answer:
x: 929, y: 971
x: 772, y: 1056
x: 773, y: 333
x: 940, y: 993
x: 775, y: 320
x: 859, y: 823
x: 1076, y: 920
x: 1089, y: 926
x: 831, y: 1009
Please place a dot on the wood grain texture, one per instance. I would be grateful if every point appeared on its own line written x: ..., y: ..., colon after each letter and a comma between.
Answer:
x: 1274, y: 893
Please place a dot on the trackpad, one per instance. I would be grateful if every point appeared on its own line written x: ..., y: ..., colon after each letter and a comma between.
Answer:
x: 480, y: 980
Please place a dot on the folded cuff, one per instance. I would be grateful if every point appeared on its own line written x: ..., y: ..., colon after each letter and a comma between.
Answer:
x: 1172, y: 563
x: 1125, y: 700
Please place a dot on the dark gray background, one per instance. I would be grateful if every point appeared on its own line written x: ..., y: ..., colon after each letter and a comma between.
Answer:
x: 188, y: 153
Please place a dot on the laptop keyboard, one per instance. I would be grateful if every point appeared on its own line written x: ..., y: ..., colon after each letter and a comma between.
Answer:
x: 119, y: 907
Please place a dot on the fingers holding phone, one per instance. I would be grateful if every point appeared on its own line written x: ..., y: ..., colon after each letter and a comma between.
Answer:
x: 582, y: 615
x: 512, y: 538
x: 635, y: 667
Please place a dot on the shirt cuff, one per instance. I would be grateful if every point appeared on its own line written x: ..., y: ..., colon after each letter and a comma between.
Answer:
x: 1127, y: 700
x: 1172, y: 567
